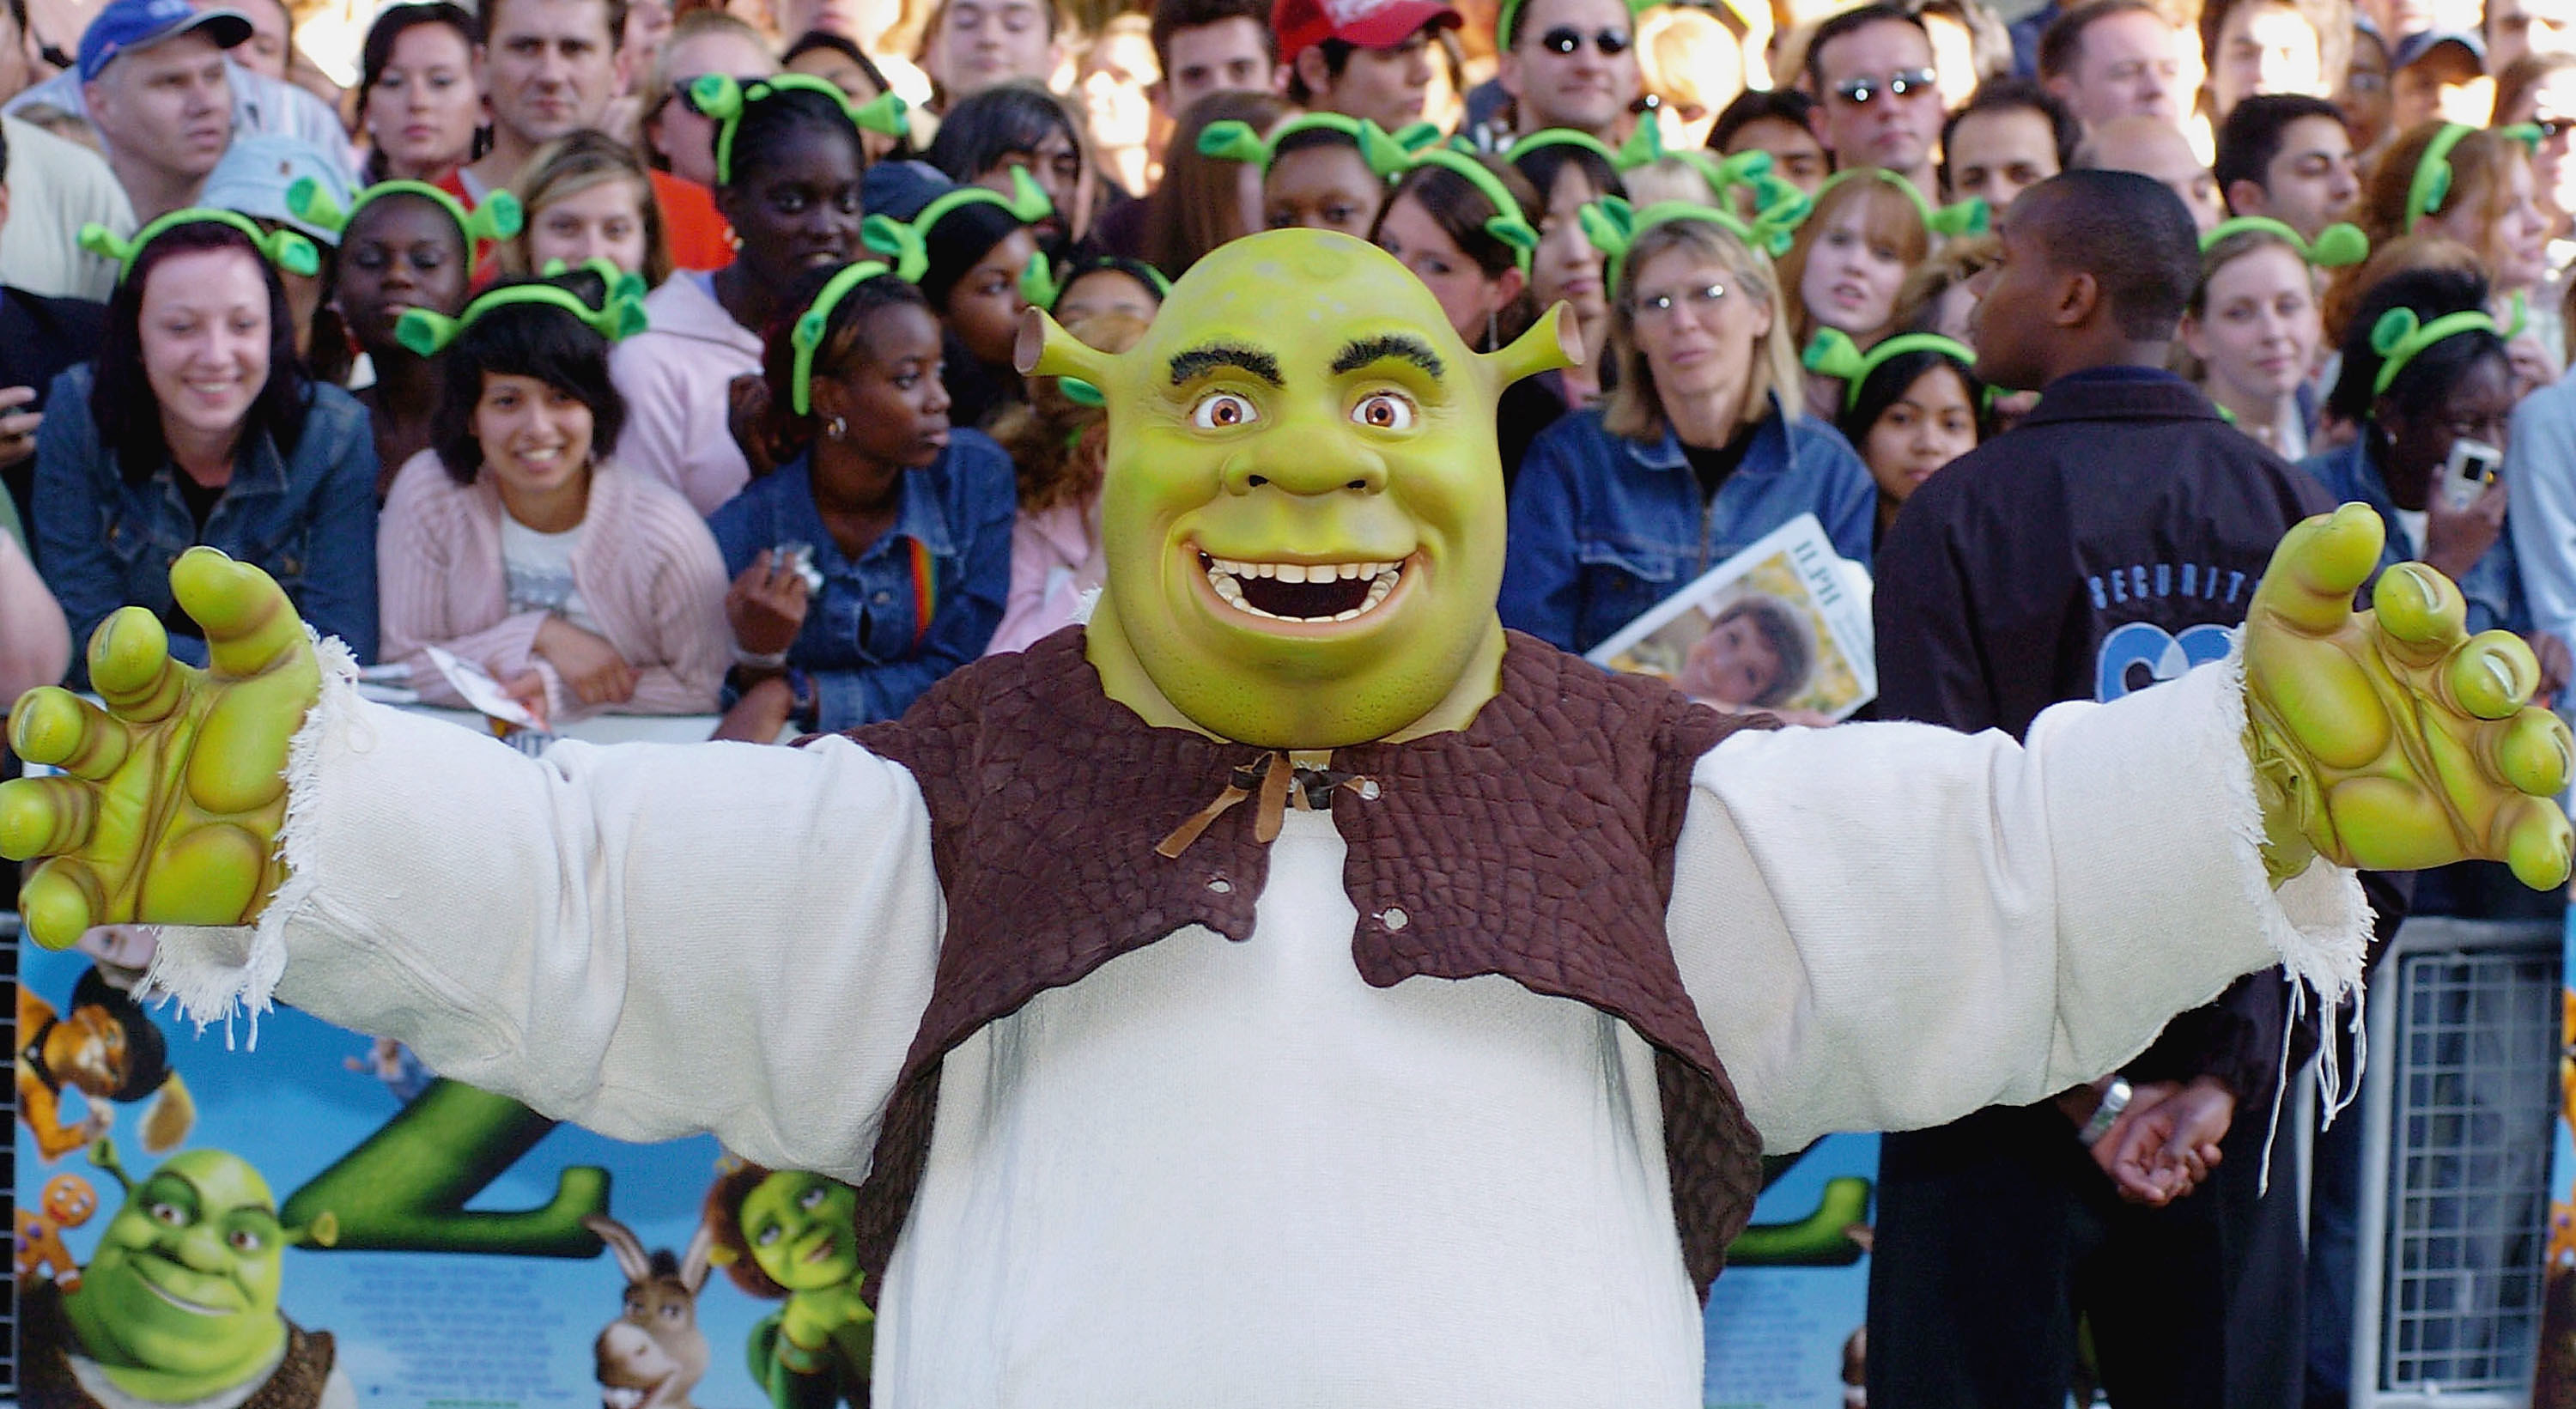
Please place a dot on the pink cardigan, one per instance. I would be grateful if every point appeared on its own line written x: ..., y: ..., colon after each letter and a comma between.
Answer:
x: 647, y: 569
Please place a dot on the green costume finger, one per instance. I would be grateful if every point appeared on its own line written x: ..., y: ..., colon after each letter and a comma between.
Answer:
x: 59, y: 729
x: 60, y: 900
x: 2421, y: 608
x: 2493, y: 675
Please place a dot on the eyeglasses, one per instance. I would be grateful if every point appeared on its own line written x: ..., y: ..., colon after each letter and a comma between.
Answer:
x: 1656, y: 102
x: 1660, y: 307
x: 1859, y: 91
x: 1565, y: 39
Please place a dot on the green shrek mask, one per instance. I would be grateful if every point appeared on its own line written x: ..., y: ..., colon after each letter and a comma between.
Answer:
x: 179, y: 1302
x: 1303, y: 510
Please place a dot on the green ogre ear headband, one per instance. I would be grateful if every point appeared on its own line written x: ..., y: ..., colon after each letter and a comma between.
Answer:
x: 907, y: 242
x: 1831, y: 353
x: 286, y: 249
x: 1644, y: 147
x: 2400, y: 335
x: 1968, y: 217
x: 1612, y: 225
x: 2335, y: 246
x: 807, y: 336
x: 1042, y: 285
x: 1231, y: 140
x: 723, y: 98
x: 1777, y: 205
x: 1391, y: 159
x: 498, y: 218
x: 2431, y: 188
x: 620, y: 313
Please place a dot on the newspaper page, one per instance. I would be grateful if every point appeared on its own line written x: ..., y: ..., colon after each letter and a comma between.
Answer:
x: 1782, y: 625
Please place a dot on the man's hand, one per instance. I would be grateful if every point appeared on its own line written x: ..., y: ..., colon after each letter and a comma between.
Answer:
x: 2166, y: 1142
x: 172, y: 797
x: 2390, y: 739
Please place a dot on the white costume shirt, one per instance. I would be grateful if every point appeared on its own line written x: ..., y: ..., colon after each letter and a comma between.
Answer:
x: 1233, y: 1173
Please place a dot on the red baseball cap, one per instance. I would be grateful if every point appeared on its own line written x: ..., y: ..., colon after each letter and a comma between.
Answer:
x: 1370, y: 24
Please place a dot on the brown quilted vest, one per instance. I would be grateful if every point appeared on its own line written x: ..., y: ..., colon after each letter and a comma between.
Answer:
x: 1536, y: 844
x: 46, y: 1379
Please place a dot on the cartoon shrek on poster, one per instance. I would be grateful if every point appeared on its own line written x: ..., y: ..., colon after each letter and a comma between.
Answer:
x: 179, y: 1303
x: 1289, y: 987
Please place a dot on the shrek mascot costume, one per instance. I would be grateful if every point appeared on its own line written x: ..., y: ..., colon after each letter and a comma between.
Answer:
x: 1289, y: 988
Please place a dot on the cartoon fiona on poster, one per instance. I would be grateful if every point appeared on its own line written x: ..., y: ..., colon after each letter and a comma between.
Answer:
x: 320, y: 1222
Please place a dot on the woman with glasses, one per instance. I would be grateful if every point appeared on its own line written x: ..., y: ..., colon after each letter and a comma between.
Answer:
x: 1700, y: 449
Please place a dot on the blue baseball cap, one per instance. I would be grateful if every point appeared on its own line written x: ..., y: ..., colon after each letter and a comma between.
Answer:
x: 127, y: 25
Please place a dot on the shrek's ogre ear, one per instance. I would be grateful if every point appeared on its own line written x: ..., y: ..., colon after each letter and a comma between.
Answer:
x: 1045, y: 349
x: 102, y: 1155
x: 1549, y: 344
x: 322, y: 1232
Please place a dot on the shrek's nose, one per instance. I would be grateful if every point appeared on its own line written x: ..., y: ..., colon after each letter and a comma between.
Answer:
x: 1325, y: 470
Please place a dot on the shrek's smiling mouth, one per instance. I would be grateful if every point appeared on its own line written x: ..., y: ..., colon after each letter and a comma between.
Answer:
x: 1308, y: 592
x: 193, y: 1308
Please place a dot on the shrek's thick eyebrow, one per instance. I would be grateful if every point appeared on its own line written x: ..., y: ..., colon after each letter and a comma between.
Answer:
x: 1390, y: 345
x: 1199, y: 361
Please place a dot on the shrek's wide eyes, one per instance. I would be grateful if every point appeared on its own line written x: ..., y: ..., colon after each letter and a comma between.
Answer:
x: 1384, y: 411
x: 244, y: 1241
x: 1219, y: 410
x: 169, y: 1215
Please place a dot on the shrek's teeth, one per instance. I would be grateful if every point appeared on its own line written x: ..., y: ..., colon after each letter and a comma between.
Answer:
x: 1310, y: 581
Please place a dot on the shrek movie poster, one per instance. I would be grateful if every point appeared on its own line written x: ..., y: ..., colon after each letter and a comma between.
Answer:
x: 320, y: 1221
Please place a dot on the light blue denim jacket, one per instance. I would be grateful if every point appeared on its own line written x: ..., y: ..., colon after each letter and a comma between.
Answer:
x: 863, y: 641
x: 1603, y: 527
x: 2492, y: 585
x: 307, y: 519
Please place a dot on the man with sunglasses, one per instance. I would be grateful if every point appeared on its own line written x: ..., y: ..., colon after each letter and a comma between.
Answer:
x: 1571, y: 64
x: 1360, y: 58
x: 1877, y: 105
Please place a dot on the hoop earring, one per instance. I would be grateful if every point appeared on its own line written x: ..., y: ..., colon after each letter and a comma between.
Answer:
x: 836, y: 428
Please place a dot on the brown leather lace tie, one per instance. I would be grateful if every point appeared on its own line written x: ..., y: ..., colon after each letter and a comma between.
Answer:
x: 1277, y: 782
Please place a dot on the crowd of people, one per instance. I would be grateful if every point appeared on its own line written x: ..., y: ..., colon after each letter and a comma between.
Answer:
x: 663, y: 363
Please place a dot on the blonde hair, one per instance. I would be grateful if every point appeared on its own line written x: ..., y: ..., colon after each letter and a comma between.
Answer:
x: 1673, y: 47
x: 1635, y: 410
x: 570, y: 165
x: 1890, y: 221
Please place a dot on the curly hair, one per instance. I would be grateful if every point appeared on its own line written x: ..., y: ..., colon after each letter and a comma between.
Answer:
x: 1060, y: 446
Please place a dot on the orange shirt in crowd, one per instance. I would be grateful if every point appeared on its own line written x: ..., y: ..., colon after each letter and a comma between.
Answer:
x: 699, y: 237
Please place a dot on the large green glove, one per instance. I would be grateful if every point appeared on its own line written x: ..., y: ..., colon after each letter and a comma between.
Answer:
x: 173, y: 795
x: 2391, y: 738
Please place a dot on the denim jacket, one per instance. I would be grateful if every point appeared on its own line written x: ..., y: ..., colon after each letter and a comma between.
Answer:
x: 1603, y: 528
x: 863, y: 642
x: 2492, y: 585
x: 308, y: 520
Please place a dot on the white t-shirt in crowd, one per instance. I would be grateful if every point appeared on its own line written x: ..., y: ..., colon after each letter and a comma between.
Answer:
x: 539, y: 569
